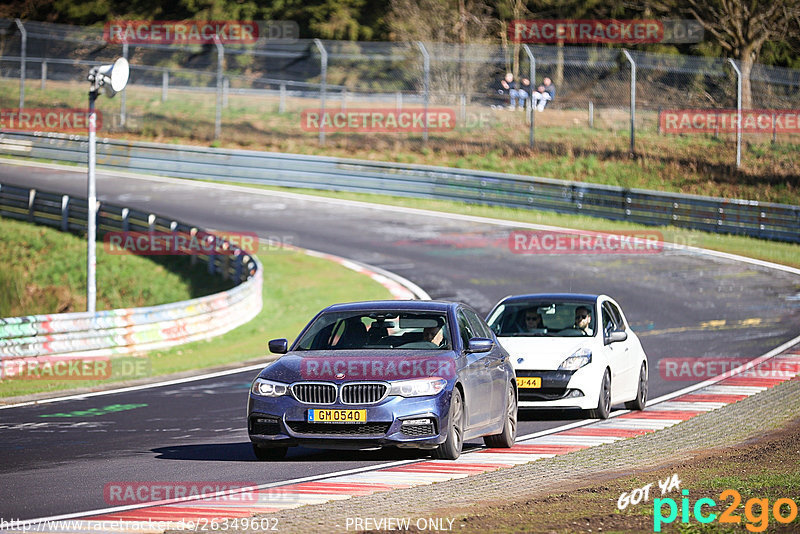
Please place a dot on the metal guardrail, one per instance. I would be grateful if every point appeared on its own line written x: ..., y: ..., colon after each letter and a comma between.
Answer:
x: 128, y: 330
x: 772, y: 221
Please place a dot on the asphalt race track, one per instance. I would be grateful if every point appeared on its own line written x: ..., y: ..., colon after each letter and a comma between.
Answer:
x: 57, y: 464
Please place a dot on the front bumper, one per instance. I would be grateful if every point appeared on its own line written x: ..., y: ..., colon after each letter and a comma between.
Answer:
x: 560, y: 390
x: 283, y: 421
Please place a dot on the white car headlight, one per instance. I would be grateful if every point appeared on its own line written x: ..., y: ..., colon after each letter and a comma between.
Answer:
x: 268, y: 388
x: 578, y: 359
x: 418, y: 387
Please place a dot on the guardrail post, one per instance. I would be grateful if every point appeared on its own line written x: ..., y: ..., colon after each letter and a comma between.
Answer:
x: 123, y: 105
x: 633, y: 100
x: 193, y: 257
x: 164, y: 85
x: 22, y: 61
x: 282, y: 101
x: 211, y: 256
x: 218, y: 115
x: 151, y: 223
x: 44, y: 74
x: 126, y: 224
x: 323, y: 83
x: 64, y: 213
x: 426, y: 67
x: 738, y: 112
x: 31, y: 202
x: 532, y: 78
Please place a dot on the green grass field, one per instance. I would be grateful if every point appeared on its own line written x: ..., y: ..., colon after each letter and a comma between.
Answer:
x: 296, y: 287
x: 566, y: 148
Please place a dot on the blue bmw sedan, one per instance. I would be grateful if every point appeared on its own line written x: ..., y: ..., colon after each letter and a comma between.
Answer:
x: 419, y: 374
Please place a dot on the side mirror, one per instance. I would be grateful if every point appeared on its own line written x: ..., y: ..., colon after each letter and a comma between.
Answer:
x: 279, y: 346
x: 616, y: 336
x: 480, y: 344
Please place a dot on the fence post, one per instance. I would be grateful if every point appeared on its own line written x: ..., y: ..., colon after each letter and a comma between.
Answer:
x: 774, y: 130
x: 738, y: 112
x: 591, y: 115
x: 226, y: 84
x: 44, y: 74
x: 22, y: 61
x: 633, y: 100
x: 323, y: 83
x: 220, y: 60
x: 532, y: 60
x: 164, y: 85
x: 282, y: 101
x: 344, y: 98
x: 123, y: 105
x: 399, y: 100
x: 64, y: 213
x: 463, y: 109
x: 426, y: 67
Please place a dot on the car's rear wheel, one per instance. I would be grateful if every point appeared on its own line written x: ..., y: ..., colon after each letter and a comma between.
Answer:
x: 506, y: 438
x: 604, y: 401
x: 269, y: 453
x: 451, y: 448
x: 641, y: 393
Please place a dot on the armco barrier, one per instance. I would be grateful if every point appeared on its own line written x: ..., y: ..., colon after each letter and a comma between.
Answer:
x: 756, y: 219
x: 127, y: 330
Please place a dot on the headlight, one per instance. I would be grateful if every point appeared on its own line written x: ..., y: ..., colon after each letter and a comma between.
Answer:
x: 578, y: 359
x: 419, y: 387
x: 268, y: 388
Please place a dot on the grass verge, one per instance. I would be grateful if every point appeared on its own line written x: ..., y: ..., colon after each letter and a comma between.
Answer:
x: 44, y: 271
x: 296, y: 287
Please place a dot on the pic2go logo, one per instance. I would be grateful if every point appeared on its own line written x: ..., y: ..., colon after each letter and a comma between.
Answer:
x: 784, y: 511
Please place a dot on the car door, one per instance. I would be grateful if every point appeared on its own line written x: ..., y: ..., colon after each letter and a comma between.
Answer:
x: 632, y: 351
x: 494, y: 361
x: 618, y: 354
x: 477, y: 381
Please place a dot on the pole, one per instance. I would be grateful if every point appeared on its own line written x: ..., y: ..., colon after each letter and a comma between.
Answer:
x: 738, y: 112
x: 532, y: 61
x: 218, y: 115
x: 123, y: 105
x: 633, y: 100
x: 323, y: 82
x: 91, y: 208
x: 22, y: 61
x: 426, y: 66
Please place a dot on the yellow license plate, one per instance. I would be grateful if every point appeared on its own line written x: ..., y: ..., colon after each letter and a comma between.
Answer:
x: 337, y: 416
x: 529, y: 381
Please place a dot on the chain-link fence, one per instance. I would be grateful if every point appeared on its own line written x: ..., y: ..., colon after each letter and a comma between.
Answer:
x: 607, y: 99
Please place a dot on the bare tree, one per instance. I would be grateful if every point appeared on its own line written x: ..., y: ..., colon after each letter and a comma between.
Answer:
x: 741, y: 27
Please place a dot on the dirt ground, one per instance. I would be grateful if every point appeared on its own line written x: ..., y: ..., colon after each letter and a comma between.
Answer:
x: 765, y: 468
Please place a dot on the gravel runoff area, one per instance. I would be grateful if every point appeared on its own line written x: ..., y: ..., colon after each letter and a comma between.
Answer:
x: 727, y: 426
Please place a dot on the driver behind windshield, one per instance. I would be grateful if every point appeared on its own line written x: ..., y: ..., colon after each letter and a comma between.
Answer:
x: 532, y: 321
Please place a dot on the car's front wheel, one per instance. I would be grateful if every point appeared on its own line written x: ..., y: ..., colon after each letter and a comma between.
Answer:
x: 641, y: 393
x: 451, y: 448
x: 506, y: 438
x: 269, y: 453
x: 603, y: 409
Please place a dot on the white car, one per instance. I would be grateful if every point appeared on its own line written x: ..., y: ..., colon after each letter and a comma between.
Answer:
x: 572, y: 351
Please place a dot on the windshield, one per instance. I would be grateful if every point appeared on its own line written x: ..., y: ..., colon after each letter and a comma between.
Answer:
x: 377, y: 330
x: 543, y: 318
